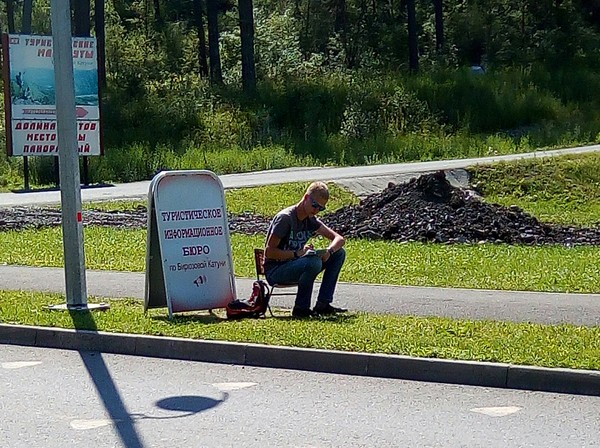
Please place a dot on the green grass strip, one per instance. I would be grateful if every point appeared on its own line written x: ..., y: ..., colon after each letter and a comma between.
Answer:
x: 485, y: 266
x: 517, y: 343
x: 264, y: 200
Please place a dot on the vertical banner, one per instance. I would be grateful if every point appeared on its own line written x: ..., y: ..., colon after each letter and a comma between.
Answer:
x: 30, y: 95
x: 189, y: 263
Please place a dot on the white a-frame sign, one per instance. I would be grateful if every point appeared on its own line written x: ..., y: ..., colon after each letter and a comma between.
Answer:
x: 188, y: 253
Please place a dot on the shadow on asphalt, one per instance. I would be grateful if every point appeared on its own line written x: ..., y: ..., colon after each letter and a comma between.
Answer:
x: 105, y: 386
x: 187, y: 405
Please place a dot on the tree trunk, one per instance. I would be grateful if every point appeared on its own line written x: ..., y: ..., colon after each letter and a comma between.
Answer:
x: 439, y: 24
x: 202, y: 56
x: 297, y: 12
x: 10, y: 15
x: 81, y: 16
x: 101, y: 41
x: 157, y: 14
x: 27, y: 10
x: 304, y: 41
x: 247, y: 41
x: 413, y: 44
x: 212, y: 11
x: 340, y: 17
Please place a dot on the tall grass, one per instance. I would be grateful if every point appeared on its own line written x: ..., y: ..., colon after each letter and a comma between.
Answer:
x: 181, y: 122
x: 562, y: 190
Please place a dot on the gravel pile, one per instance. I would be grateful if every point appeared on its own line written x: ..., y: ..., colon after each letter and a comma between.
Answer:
x: 429, y: 209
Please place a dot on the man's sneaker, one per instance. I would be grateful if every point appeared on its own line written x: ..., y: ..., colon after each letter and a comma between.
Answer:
x: 326, y: 308
x: 302, y: 313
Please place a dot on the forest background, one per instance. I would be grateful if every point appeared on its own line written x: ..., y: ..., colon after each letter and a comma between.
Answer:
x: 251, y: 85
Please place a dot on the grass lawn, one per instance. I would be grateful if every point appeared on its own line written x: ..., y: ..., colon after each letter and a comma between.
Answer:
x: 524, y: 343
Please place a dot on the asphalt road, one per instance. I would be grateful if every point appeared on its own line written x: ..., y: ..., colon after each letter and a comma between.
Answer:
x: 57, y: 398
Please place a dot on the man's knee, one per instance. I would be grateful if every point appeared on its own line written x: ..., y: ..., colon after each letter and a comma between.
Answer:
x: 339, y: 254
x: 314, y: 265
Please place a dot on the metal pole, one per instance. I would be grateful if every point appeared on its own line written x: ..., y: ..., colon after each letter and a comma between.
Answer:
x: 26, y: 173
x: 68, y: 156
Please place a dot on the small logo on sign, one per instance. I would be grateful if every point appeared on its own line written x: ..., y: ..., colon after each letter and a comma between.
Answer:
x: 200, y: 280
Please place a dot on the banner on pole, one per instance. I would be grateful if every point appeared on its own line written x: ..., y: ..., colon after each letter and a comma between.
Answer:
x: 30, y: 95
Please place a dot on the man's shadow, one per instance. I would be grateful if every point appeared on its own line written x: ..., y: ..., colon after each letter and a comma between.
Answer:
x: 280, y: 314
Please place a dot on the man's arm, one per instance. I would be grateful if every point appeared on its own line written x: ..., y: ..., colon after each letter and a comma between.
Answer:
x: 273, y: 251
x: 337, y: 240
x: 280, y: 229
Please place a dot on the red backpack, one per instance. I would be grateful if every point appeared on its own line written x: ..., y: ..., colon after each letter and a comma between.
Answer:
x: 256, y: 306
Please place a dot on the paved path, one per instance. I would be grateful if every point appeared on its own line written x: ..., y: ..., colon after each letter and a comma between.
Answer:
x: 362, y: 179
x: 515, y: 306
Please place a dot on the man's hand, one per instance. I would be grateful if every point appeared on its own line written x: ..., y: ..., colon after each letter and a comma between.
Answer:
x: 306, y: 249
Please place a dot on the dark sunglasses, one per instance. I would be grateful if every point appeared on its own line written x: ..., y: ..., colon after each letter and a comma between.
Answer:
x: 316, y: 205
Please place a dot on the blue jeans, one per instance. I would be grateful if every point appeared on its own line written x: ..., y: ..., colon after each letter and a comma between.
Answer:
x: 304, y: 271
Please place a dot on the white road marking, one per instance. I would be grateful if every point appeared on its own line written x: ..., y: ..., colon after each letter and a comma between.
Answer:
x: 501, y: 411
x: 89, y: 424
x: 228, y: 387
x: 19, y: 364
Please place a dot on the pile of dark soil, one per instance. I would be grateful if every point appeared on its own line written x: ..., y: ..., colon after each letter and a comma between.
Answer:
x: 426, y: 209
x: 429, y: 209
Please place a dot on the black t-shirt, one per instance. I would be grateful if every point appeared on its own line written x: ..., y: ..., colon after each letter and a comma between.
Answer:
x: 294, y: 234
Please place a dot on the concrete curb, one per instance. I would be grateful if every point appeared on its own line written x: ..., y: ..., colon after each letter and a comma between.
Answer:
x: 584, y: 382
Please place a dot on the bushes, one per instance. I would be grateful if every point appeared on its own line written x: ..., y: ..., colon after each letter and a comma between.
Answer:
x: 138, y: 162
x: 183, y: 123
x: 131, y: 163
x: 489, y: 102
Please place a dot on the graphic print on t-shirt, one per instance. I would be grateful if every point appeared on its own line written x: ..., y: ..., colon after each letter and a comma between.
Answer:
x: 299, y: 238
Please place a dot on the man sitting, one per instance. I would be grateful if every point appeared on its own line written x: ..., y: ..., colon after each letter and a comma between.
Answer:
x: 290, y: 259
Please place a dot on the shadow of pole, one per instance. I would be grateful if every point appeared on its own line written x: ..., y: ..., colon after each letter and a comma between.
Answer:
x: 105, y: 386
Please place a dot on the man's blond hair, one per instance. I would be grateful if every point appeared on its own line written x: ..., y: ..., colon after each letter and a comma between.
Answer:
x: 319, y: 190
